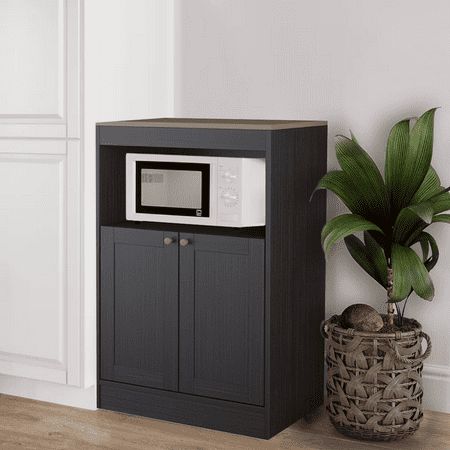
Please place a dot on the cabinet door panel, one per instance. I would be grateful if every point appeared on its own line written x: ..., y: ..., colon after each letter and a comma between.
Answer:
x: 139, y: 308
x: 222, y: 317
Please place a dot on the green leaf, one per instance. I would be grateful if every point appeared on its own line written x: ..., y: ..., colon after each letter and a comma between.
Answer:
x: 423, y: 211
x: 365, y: 177
x: 342, y: 226
x: 442, y: 218
x: 424, y: 244
x: 428, y: 242
x: 408, y: 159
x: 441, y: 202
x: 396, y: 151
x: 433, y: 259
x: 341, y: 184
x: 409, y: 271
x: 416, y: 233
x: 369, y: 256
x: 401, y: 286
x: 378, y: 256
x: 361, y: 255
x: 431, y: 185
x: 417, y: 162
x: 411, y: 220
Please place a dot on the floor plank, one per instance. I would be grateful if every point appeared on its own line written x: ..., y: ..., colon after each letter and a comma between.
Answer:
x: 29, y: 424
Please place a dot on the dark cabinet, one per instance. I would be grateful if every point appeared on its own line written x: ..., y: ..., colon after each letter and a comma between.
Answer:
x: 139, y: 308
x: 183, y: 312
x: 207, y: 325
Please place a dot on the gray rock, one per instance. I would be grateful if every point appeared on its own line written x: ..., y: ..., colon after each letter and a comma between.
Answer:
x: 362, y: 317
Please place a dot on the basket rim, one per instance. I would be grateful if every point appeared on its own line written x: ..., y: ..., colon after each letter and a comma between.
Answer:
x: 371, y: 334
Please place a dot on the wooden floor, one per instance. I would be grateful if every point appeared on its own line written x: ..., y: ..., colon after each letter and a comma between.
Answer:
x: 28, y: 424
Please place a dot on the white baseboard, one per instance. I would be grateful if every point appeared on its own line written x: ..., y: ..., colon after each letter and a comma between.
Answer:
x: 436, y: 387
x: 49, y: 392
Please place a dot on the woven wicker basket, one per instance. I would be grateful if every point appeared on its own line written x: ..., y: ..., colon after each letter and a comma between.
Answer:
x: 374, y: 382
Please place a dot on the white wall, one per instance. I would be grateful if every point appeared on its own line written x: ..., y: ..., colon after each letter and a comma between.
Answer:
x: 128, y: 67
x: 356, y: 63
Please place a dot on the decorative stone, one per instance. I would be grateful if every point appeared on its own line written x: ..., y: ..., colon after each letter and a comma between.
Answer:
x: 362, y: 317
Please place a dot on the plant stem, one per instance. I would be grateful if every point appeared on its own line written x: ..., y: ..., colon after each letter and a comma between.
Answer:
x: 404, y: 307
x: 399, y: 315
x: 390, y: 307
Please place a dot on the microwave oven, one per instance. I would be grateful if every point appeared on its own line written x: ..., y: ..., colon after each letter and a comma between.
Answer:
x: 200, y: 190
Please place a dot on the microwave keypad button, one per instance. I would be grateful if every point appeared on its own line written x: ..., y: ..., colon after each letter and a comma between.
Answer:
x: 230, y: 197
x: 229, y: 176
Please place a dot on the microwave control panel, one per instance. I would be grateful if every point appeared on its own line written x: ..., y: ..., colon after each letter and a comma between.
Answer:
x: 241, y: 191
x: 228, y: 187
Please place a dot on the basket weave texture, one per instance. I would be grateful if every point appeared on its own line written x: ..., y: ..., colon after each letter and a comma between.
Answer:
x: 374, y: 381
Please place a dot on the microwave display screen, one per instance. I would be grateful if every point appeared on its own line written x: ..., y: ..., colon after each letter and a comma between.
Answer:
x: 172, y: 188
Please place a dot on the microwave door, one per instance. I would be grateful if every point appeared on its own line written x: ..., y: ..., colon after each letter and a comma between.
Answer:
x: 171, y: 188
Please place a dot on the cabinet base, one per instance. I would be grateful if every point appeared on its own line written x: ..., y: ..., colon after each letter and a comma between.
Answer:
x: 183, y: 408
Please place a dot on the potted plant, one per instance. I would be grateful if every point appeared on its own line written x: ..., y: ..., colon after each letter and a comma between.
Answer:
x: 374, y: 384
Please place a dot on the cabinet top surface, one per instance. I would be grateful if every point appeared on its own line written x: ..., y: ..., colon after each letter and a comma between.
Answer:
x: 216, y: 123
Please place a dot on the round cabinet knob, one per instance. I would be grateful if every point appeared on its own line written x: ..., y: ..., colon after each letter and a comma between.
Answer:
x: 184, y: 242
x: 168, y: 241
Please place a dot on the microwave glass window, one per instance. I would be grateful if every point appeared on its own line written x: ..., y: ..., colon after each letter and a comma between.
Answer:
x: 174, y: 188
x: 171, y: 188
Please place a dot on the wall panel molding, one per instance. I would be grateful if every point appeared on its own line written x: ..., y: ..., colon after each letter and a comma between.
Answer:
x: 33, y: 146
x: 75, y: 343
x: 55, y: 110
x: 34, y: 195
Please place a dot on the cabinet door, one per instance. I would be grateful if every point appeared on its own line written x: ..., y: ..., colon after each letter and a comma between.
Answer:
x: 139, y: 307
x: 222, y: 317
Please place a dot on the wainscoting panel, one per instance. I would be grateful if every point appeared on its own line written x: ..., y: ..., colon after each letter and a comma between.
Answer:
x: 33, y: 300
x: 38, y: 98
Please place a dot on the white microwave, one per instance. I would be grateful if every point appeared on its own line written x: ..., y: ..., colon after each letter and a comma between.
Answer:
x: 199, y: 190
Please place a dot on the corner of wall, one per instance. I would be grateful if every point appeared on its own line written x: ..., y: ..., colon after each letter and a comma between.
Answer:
x: 436, y: 386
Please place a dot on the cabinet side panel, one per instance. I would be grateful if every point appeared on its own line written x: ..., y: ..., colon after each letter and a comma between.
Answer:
x: 106, y: 317
x: 111, y: 185
x: 296, y: 272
